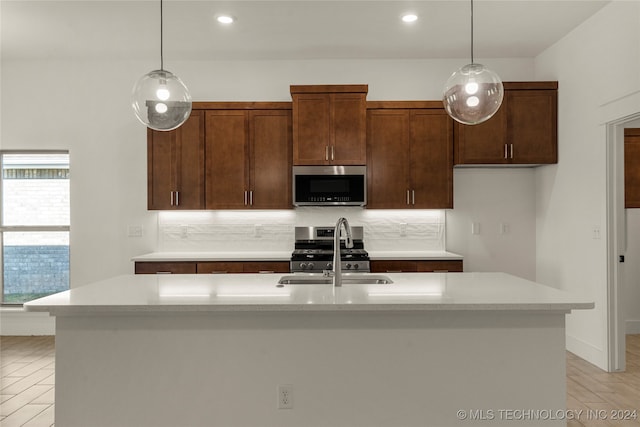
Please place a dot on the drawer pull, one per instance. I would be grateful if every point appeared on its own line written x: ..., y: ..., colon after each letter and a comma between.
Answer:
x: 164, y: 272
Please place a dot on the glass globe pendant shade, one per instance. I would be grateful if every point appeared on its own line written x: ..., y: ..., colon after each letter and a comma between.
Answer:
x: 473, y: 94
x: 161, y: 101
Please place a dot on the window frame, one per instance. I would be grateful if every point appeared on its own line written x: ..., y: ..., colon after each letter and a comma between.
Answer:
x: 24, y: 228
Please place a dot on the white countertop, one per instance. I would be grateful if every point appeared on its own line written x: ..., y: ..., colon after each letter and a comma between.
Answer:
x: 286, y: 256
x: 139, y: 294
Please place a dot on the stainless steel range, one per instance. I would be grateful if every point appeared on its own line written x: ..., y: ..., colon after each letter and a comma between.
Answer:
x: 313, y: 251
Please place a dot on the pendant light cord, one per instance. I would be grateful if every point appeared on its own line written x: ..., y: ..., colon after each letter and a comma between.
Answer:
x: 472, y: 31
x: 161, y: 40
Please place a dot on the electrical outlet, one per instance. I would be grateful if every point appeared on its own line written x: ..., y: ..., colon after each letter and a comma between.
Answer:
x: 403, y: 229
x: 134, y: 231
x: 257, y: 230
x: 285, y: 396
x: 475, y: 228
x: 184, y: 231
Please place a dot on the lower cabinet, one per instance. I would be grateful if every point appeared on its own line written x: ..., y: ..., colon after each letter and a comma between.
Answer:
x: 223, y: 267
x: 182, y: 267
x: 415, y: 266
x: 211, y: 267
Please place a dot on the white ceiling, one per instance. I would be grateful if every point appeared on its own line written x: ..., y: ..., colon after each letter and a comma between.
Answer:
x: 120, y: 29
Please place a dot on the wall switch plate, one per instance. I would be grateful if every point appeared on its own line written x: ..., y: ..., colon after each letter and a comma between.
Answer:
x: 285, y: 396
x: 257, y: 230
x: 134, y: 231
x: 403, y: 229
x: 184, y: 231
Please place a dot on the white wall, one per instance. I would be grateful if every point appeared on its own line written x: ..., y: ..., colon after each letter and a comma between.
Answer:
x: 595, y: 64
x: 501, y: 202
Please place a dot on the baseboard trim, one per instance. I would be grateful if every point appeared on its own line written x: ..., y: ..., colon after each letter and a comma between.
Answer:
x: 632, y: 327
x: 16, y: 322
x: 588, y: 352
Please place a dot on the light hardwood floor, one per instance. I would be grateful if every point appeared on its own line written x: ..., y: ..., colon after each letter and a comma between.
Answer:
x: 594, y: 397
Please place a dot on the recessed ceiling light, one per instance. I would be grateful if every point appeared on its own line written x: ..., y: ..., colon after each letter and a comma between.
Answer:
x: 225, y: 19
x: 409, y: 17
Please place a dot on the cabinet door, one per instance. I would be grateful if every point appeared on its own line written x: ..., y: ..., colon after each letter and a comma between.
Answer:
x: 532, y: 126
x: 227, y: 145
x: 160, y: 169
x: 349, y: 127
x: 175, y: 166
x: 311, y: 127
x: 483, y: 143
x: 387, y: 159
x: 431, y: 159
x: 270, y: 159
x: 632, y: 168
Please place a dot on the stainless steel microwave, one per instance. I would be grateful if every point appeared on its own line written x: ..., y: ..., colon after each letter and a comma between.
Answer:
x: 329, y: 185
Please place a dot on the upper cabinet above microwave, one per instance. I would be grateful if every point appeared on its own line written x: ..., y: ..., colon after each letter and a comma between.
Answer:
x: 329, y: 124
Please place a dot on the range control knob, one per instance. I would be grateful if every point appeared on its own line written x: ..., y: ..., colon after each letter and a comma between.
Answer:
x: 303, y: 265
x: 310, y: 266
x: 329, y: 266
x: 348, y: 266
x: 356, y: 266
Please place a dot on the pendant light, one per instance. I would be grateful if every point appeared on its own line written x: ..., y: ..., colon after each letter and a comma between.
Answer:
x: 160, y: 100
x: 473, y: 93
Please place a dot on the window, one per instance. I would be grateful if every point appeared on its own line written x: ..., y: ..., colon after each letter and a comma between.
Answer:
x: 34, y: 225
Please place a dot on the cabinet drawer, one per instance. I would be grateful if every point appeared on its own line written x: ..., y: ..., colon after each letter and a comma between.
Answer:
x: 219, y: 267
x: 411, y: 266
x: 223, y: 267
x: 165, y: 268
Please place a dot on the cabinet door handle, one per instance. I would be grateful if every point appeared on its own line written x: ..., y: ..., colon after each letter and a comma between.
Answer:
x: 506, y: 154
x: 266, y: 272
x: 326, y: 152
x: 177, y: 198
x: 511, y: 148
x: 333, y: 152
x: 251, y: 197
x: 408, y: 197
x: 245, y: 197
x: 413, y: 197
x: 219, y: 272
x: 172, y: 202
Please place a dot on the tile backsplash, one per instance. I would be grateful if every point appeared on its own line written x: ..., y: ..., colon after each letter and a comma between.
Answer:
x: 237, y: 231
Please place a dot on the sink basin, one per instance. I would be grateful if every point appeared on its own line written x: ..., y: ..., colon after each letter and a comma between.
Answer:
x: 347, y: 279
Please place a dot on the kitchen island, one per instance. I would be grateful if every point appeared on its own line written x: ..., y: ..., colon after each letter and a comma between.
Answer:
x: 217, y: 350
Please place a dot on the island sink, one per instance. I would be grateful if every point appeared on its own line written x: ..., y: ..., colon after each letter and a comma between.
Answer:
x: 347, y: 279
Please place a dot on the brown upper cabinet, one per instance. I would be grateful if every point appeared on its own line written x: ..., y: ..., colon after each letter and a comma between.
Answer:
x: 175, y: 166
x: 632, y: 168
x: 248, y: 156
x: 329, y: 124
x: 409, y: 155
x: 522, y: 132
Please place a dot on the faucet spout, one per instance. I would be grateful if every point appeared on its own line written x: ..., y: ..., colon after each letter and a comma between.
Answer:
x: 337, y: 263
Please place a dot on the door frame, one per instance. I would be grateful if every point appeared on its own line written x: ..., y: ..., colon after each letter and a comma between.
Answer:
x: 616, y: 239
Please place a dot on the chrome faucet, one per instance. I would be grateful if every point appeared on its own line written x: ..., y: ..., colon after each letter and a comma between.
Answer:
x: 337, y: 264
